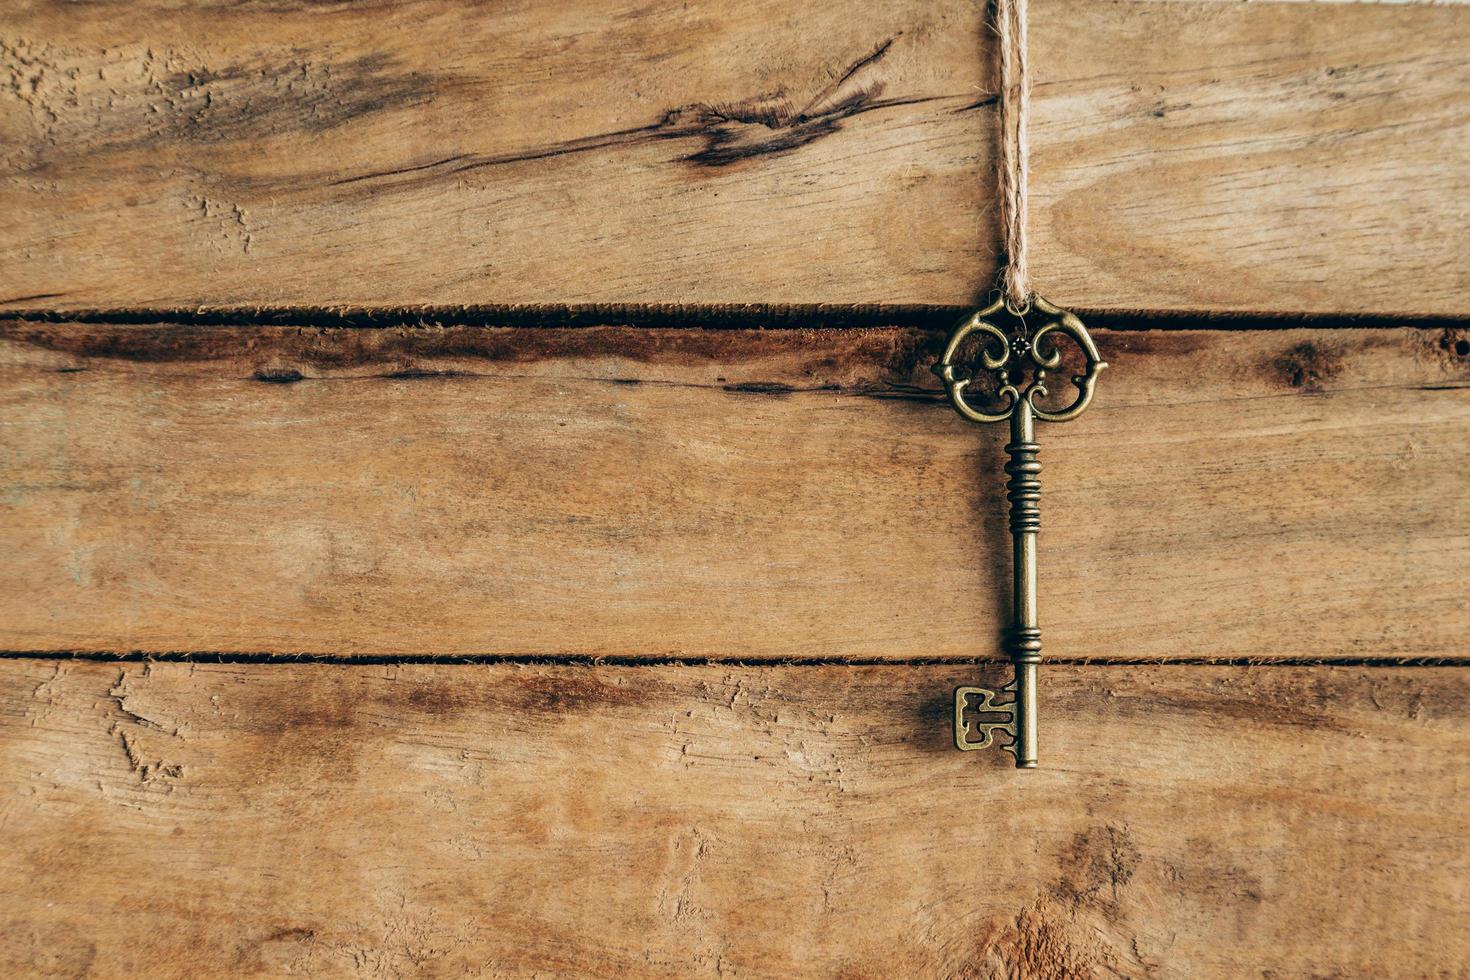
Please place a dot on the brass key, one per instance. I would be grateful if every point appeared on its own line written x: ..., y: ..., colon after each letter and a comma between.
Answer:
x: 1019, y: 357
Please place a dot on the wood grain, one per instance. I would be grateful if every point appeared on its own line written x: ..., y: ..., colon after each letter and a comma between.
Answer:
x: 1201, y: 822
x: 720, y: 493
x: 1187, y: 156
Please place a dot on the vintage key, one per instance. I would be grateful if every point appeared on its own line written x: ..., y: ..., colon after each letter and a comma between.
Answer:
x: 1019, y: 359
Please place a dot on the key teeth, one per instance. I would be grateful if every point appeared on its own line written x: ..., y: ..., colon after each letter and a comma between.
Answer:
x: 987, y: 729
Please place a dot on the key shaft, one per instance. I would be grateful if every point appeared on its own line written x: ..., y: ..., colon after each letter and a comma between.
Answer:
x: 1023, y: 641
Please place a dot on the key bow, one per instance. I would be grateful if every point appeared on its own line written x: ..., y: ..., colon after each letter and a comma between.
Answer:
x: 1033, y: 350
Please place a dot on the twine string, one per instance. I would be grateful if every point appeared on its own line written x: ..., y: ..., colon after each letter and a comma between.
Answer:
x: 1015, y: 93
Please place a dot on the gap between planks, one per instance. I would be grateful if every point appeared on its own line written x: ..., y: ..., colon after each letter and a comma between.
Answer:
x: 730, y: 316
x: 584, y: 660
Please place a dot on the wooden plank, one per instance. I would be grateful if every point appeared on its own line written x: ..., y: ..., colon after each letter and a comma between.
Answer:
x: 747, y: 494
x: 1201, y: 822
x: 1188, y: 156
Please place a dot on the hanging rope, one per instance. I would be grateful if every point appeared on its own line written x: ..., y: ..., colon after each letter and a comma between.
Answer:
x: 1015, y: 93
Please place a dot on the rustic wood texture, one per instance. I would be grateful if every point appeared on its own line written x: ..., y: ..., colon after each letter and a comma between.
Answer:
x: 1187, y: 156
x: 1194, y: 822
x: 714, y: 493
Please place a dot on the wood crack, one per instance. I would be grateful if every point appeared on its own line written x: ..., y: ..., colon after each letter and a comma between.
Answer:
x: 760, y: 126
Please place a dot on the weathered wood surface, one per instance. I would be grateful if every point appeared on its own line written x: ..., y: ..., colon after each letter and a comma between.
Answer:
x: 1195, y: 156
x: 1193, y: 822
x: 712, y: 493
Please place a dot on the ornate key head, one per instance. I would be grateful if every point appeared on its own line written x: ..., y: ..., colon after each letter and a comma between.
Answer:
x: 1019, y: 359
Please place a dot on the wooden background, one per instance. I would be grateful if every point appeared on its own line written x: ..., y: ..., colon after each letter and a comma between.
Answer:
x: 474, y: 501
